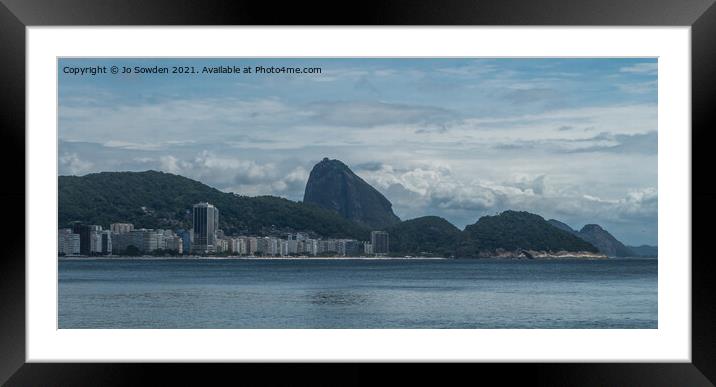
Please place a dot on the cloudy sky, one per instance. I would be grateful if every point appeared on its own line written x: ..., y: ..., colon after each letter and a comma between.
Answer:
x: 571, y: 139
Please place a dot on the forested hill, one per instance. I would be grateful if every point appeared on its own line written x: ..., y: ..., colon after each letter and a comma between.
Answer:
x: 425, y: 236
x: 162, y: 200
x: 513, y: 230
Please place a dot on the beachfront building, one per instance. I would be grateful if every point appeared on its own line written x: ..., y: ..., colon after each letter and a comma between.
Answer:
x: 206, y: 225
x: 121, y: 228
x: 379, y: 242
x: 68, y: 243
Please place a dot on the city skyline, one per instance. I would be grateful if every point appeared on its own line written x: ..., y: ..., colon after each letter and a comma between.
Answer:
x: 205, y: 238
x: 571, y: 139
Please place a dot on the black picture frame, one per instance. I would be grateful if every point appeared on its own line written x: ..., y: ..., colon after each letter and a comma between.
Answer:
x: 15, y: 15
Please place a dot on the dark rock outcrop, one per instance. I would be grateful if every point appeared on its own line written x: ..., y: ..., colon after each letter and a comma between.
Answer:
x: 599, y: 237
x: 562, y: 226
x: 604, y: 241
x: 332, y: 185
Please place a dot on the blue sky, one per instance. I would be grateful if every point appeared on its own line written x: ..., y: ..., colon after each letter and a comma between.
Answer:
x: 571, y: 139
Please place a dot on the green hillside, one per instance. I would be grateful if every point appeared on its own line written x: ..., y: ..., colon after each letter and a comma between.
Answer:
x: 162, y: 200
x: 425, y: 236
x: 512, y: 230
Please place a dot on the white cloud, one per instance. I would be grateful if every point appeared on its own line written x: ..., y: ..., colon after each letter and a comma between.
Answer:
x: 641, y: 68
x: 639, y: 87
x: 439, y: 191
x: 231, y: 174
x: 74, y: 165
x: 132, y: 145
x: 171, y: 164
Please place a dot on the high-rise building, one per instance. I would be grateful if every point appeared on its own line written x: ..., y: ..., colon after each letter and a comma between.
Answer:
x: 243, y: 245
x: 86, y: 236
x: 162, y: 237
x: 185, y: 236
x: 233, y: 245
x: 121, y: 228
x: 144, y: 240
x: 67, y: 242
x: 206, y: 224
x: 312, y: 246
x: 292, y: 245
x: 262, y: 246
x: 100, y: 242
x: 106, y: 242
x: 222, y: 245
x: 120, y: 241
x: 327, y: 246
x: 174, y: 243
x: 379, y: 241
x: 352, y: 248
x: 253, y: 245
x: 73, y: 244
x: 274, y: 246
x: 298, y: 236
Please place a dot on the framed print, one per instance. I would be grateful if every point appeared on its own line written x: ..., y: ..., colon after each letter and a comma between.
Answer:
x: 477, y: 185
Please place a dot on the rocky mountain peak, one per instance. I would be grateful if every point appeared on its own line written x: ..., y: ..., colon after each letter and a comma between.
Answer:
x: 334, y: 186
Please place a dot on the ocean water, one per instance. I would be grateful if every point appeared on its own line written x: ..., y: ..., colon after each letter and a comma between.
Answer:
x: 355, y: 293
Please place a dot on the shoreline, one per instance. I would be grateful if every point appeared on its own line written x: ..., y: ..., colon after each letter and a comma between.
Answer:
x: 200, y: 258
x: 197, y: 258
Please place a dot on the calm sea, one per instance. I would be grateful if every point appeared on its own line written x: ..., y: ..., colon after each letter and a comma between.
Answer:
x: 354, y: 293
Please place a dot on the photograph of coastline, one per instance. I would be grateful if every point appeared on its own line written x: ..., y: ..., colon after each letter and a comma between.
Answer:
x: 338, y: 193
